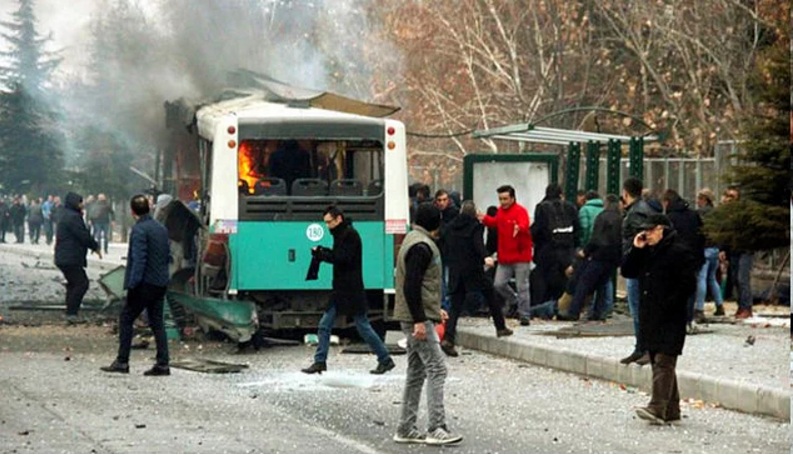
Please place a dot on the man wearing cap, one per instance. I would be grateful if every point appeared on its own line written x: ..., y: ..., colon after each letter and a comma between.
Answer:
x: 666, y: 270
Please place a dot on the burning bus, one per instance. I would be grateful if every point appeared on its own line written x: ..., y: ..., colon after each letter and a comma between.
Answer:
x: 264, y: 166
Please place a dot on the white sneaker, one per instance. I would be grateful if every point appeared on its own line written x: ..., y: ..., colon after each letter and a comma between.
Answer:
x: 441, y: 437
x: 414, y: 436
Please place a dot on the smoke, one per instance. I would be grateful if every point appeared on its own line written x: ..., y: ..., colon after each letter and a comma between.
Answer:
x: 141, y: 54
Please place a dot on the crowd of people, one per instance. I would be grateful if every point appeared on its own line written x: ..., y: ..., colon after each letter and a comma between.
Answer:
x: 41, y: 216
x: 558, y: 263
x: 562, y: 261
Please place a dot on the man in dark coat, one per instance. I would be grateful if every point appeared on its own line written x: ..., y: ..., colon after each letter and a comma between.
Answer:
x: 465, y: 258
x: 556, y: 234
x: 600, y: 258
x: 667, y: 272
x: 72, y: 242
x: 18, y: 213
x: 145, y: 280
x: 348, y: 297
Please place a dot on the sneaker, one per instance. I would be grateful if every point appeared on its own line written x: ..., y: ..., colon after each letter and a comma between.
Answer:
x: 505, y: 332
x: 525, y: 321
x: 646, y: 414
x: 699, y: 317
x: 442, y: 437
x: 414, y: 436
x: 719, y: 310
x: 448, y: 348
x: 72, y: 319
x: 384, y: 367
x: 316, y: 367
x: 116, y: 367
x: 158, y: 370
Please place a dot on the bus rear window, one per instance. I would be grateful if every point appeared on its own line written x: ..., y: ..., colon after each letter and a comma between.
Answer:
x: 294, y: 167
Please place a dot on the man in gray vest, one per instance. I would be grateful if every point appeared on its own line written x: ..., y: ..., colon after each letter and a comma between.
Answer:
x: 417, y: 307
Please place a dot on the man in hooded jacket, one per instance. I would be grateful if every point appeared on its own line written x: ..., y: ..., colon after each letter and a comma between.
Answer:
x: 72, y: 242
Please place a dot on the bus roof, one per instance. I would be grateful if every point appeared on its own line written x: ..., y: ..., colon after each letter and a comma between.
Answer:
x: 253, y: 109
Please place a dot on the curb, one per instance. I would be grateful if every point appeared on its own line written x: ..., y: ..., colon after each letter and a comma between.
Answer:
x: 736, y: 395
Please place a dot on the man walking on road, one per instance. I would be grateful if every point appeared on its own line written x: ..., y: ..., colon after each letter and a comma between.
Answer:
x: 348, y: 297
x: 145, y: 280
x: 666, y: 269
x: 72, y: 240
x: 418, y: 308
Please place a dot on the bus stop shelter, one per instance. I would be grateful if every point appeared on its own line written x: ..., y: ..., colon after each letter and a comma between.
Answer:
x: 575, y: 140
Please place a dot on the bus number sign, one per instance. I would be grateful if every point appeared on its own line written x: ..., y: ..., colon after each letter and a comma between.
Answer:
x: 315, y: 232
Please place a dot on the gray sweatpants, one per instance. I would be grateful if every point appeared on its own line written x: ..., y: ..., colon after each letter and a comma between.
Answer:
x: 425, y: 361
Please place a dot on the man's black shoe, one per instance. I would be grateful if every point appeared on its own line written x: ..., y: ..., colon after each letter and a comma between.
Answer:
x: 448, y: 348
x: 158, y: 370
x: 505, y: 332
x: 116, y: 367
x: 719, y: 311
x: 525, y: 321
x: 384, y: 367
x: 316, y: 367
x: 566, y: 317
x: 632, y: 358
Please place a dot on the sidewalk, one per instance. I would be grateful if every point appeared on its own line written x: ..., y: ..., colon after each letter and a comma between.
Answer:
x: 718, y: 366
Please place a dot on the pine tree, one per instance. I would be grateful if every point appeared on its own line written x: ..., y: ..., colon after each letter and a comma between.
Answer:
x: 760, y: 220
x: 31, y: 156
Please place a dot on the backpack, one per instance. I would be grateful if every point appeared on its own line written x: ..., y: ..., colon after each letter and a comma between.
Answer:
x: 560, y: 224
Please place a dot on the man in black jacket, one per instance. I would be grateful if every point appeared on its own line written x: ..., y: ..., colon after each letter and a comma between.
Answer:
x: 600, y: 257
x: 465, y: 257
x: 72, y: 241
x: 145, y: 280
x: 666, y: 269
x: 556, y: 233
x: 348, y: 297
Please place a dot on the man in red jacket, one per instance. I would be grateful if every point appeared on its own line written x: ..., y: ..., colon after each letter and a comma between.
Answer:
x: 514, y: 250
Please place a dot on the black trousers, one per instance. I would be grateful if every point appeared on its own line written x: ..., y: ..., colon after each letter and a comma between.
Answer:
x: 150, y: 298
x: 483, y: 285
x: 76, y: 287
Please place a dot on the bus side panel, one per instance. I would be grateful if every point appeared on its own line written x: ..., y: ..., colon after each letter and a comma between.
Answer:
x: 275, y: 255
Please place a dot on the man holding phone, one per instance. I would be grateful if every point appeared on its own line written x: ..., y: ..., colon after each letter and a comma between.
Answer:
x: 666, y: 269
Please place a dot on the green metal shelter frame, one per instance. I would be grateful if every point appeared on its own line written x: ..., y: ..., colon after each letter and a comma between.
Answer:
x: 573, y: 139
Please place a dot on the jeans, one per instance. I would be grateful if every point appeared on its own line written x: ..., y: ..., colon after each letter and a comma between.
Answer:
x: 545, y: 310
x: 521, y: 272
x: 102, y: 231
x: 425, y: 361
x: 604, y: 300
x: 741, y: 271
x: 593, y: 275
x: 632, y: 287
x: 76, y: 287
x: 706, y: 280
x: 364, y: 328
x: 150, y: 298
